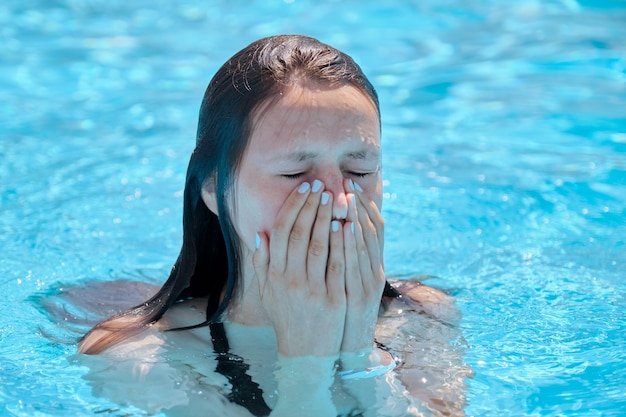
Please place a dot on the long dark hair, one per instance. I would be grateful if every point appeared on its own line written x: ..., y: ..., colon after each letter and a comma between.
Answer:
x: 208, y: 264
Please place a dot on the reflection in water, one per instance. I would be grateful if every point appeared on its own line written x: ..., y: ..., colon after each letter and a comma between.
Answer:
x: 174, y: 372
x: 504, y: 142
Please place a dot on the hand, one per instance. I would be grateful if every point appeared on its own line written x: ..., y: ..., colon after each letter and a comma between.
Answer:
x: 301, y: 271
x: 365, y: 276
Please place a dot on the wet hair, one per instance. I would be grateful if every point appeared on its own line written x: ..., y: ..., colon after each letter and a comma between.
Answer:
x: 209, y: 260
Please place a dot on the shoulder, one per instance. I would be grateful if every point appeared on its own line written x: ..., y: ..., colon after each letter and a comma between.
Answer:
x: 422, y: 298
x: 185, y: 313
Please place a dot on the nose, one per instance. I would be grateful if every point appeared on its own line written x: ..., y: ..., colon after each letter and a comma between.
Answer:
x: 337, y: 185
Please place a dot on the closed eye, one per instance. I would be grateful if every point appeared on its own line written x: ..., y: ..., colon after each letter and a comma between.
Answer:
x: 361, y: 174
x: 357, y: 174
x: 294, y: 176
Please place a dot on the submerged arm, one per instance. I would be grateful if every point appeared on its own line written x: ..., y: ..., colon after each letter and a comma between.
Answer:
x: 304, y: 387
x: 422, y: 327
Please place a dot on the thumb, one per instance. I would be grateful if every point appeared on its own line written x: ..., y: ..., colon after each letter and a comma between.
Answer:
x: 260, y: 260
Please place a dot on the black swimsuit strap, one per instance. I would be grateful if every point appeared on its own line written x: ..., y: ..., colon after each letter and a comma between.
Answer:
x: 245, y: 391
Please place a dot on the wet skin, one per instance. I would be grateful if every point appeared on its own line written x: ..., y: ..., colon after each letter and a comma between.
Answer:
x: 306, y: 206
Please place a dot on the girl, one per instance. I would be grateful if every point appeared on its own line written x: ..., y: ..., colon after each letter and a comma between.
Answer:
x: 282, y: 231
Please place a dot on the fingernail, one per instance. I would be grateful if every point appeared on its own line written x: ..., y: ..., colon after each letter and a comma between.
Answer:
x: 325, y: 198
x: 304, y: 187
x: 335, y: 225
x: 353, y: 198
x: 352, y: 227
x: 258, y: 241
x: 351, y: 185
x: 358, y: 187
x: 317, y: 185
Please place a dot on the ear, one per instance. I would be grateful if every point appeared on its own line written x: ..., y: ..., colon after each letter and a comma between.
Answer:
x: 208, y: 196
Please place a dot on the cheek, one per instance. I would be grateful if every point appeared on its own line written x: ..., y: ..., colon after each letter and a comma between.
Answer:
x: 256, y: 211
x: 376, y: 193
x: 267, y: 211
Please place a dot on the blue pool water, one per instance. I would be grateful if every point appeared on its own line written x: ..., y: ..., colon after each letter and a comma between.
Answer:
x: 504, y: 166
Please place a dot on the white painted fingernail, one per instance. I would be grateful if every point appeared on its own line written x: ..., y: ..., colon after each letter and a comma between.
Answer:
x: 351, y: 185
x: 317, y: 185
x: 352, y: 227
x: 258, y: 241
x: 304, y: 187
x: 358, y: 187
x: 325, y: 198
x: 335, y: 225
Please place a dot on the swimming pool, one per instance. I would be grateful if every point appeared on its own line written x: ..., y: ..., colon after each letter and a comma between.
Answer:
x: 504, y: 166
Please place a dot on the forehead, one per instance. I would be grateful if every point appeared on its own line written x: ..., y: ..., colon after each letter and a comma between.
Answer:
x: 304, y: 119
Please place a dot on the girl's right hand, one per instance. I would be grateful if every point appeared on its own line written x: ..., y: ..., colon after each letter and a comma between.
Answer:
x: 300, y: 271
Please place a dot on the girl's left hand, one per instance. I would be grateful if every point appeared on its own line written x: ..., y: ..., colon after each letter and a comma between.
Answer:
x: 365, y: 276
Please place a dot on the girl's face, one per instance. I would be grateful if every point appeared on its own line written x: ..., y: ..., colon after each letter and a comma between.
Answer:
x: 307, y: 134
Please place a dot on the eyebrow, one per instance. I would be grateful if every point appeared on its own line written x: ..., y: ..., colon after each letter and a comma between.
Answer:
x: 307, y: 156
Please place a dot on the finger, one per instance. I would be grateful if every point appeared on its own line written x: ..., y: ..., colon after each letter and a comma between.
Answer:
x: 354, y: 283
x: 285, y: 219
x: 317, y: 257
x: 336, y: 266
x: 371, y: 262
x: 366, y: 260
x: 260, y: 260
x: 374, y: 226
x: 368, y: 232
x: 300, y: 236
